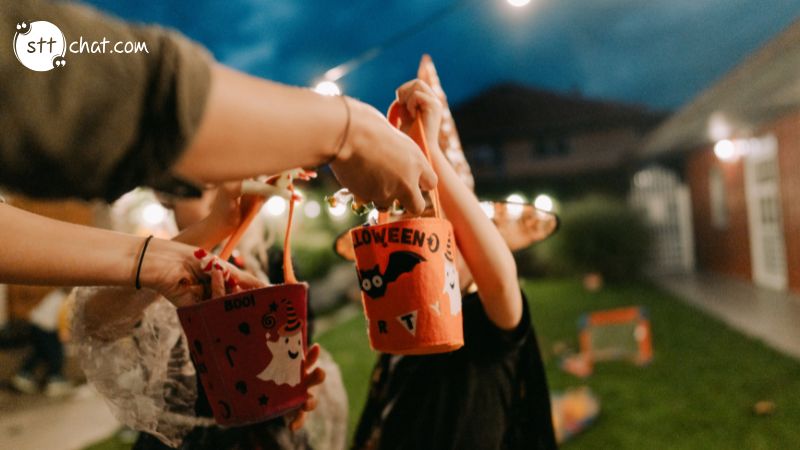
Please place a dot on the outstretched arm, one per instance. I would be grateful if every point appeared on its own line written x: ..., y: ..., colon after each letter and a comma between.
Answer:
x: 483, y: 248
x: 136, y: 119
x: 266, y: 128
x: 37, y: 250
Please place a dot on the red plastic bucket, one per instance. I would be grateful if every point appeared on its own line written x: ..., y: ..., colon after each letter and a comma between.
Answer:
x: 249, y: 350
x: 249, y: 347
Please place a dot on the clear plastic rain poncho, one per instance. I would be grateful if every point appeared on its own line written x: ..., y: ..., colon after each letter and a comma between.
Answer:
x: 140, y: 365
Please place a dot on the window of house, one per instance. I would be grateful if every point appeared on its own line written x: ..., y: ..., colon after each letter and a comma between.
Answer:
x: 719, y: 198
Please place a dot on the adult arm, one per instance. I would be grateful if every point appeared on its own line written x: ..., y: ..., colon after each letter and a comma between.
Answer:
x: 106, y: 123
x: 37, y: 250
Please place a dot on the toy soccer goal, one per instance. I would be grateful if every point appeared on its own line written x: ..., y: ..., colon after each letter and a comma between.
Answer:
x: 616, y: 334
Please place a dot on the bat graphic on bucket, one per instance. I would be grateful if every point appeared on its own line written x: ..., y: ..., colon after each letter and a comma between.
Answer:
x: 409, y: 283
x: 249, y: 347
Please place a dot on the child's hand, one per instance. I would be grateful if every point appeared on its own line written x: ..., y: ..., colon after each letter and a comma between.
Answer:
x: 415, y: 97
x: 311, y: 378
x: 226, y: 209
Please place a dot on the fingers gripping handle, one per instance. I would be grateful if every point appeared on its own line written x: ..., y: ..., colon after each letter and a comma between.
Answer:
x: 417, y: 133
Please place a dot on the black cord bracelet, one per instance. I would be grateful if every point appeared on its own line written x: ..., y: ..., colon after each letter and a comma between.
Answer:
x: 141, y: 260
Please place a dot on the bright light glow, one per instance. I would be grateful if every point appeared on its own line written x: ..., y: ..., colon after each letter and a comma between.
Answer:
x: 725, y: 150
x: 337, y: 211
x: 516, y: 198
x: 543, y: 202
x: 276, y: 206
x: 488, y: 209
x: 515, y: 205
x: 312, y: 209
x: 154, y: 214
x: 518, y: 3
x: 719, y: 127
x: 327, y: 88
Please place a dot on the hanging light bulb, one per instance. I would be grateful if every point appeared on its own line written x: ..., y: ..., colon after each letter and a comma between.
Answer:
x: 543, y: 202
x: 312, y: 209
x: 276, y: 206
x: 516, y: 204
x: 153, y: 214
x: 327, y: 87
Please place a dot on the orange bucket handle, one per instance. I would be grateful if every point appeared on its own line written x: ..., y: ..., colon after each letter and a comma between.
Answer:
x: 252, y: 205
x: 417, y: 134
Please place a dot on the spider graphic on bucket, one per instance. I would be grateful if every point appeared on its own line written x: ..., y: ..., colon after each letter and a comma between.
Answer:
x: 287, y: 352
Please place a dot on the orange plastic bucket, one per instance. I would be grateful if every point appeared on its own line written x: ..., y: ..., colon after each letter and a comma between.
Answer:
x: 409, y: 283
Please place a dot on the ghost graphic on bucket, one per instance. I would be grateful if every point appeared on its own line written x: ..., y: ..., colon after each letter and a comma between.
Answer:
x: 452, y: 286
x: 287, y: 352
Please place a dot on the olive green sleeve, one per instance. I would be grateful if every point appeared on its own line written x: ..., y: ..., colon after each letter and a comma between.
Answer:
x: 105, y: 122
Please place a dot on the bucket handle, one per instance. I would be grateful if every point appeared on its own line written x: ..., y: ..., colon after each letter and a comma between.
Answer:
x: 416, y: 133
x: 252, y: 205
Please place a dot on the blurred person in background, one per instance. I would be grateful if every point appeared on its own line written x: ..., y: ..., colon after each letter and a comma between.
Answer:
x: 48, y: 349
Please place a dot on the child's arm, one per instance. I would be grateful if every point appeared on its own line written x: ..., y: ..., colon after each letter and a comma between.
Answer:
x: 221, y: 222
x: 483, y: 248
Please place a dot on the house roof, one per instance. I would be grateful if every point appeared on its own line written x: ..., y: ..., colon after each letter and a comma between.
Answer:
x: 762, y: 88
x: 511, y: 110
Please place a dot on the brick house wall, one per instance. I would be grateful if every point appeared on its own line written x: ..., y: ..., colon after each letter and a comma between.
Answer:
x: 787, y: 130
x: 723, y: 250
x: 727, y: 250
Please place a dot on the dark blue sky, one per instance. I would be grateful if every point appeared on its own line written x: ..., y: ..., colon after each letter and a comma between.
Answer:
x: 660, y: 53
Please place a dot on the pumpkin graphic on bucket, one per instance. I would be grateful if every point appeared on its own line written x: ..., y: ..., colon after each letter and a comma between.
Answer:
x: 249, y: 347
x: 408, y: 278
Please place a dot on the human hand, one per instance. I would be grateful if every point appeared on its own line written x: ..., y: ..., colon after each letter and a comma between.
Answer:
x: 311, y: 378
x: 232, y: 201
x: 185, y: 275
x: 226, y: 209
x: 417, y: 97
x: 378, y: 163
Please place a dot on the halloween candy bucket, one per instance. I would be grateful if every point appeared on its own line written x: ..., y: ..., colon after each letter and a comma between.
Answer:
x: 249, y: 347
x: 408, y: 278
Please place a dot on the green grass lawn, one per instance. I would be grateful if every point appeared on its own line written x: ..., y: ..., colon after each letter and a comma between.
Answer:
x: 697, y: 393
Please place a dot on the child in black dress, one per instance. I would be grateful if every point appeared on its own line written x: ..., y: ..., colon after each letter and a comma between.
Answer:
x: 491, y: 393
